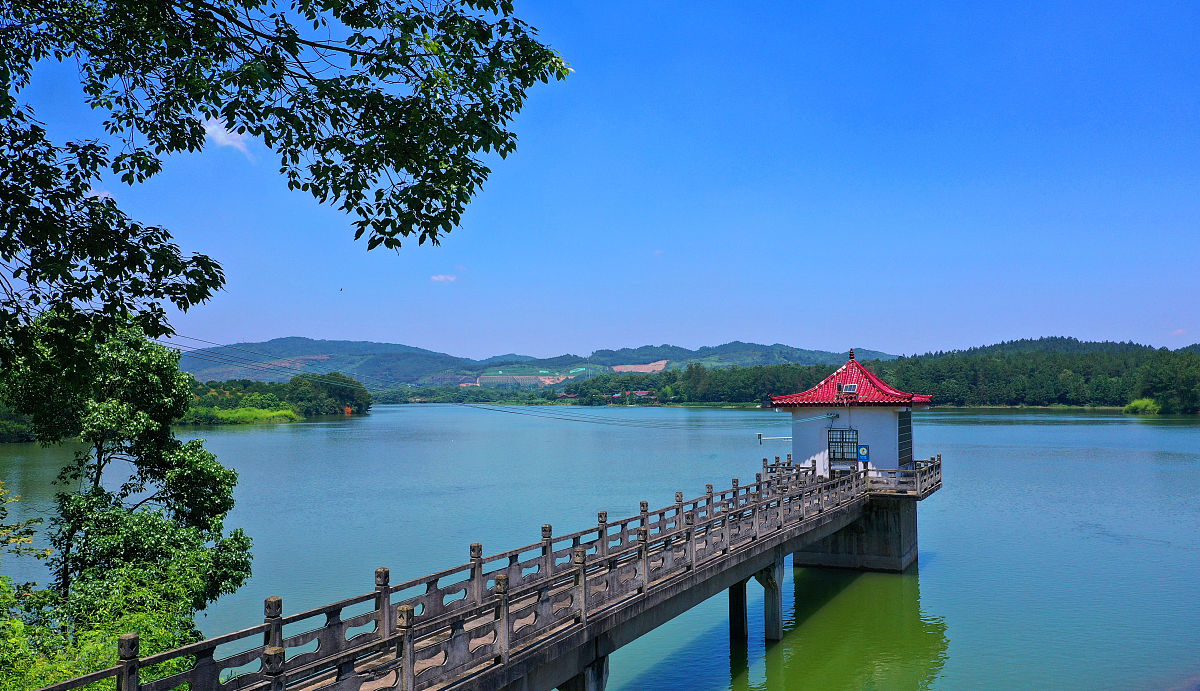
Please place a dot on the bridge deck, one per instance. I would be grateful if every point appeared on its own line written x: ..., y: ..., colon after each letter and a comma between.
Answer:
x: 525, y: 617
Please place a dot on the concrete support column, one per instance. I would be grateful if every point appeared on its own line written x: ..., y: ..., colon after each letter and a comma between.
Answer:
x: 593, y: 677
x: 771, y: 579
x: 884, y: 539
x: 739, y: 621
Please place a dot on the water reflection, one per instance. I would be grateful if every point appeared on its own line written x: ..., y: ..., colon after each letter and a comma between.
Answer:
x: 843, y: 629
x: 853, y: 630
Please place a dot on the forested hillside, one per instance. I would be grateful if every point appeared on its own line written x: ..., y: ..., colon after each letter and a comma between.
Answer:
x: 382, y: 366
x: 1092, y: 375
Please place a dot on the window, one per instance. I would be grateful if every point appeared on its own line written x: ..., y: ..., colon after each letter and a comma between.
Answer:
x: 843, y: 445
x: 850, y: 388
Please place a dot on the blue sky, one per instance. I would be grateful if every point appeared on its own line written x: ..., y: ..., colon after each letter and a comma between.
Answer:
x: 879, y: 175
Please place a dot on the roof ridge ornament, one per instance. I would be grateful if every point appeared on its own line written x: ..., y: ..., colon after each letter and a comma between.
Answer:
x: 851, y: 353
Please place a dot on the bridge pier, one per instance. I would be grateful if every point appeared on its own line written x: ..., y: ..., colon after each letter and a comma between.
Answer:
x: 739, y: 621
x: 884, y: 539
x: 593, y: 677
x: 771, y: 579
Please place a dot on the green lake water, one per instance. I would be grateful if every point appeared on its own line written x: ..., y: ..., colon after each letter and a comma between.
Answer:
x: 1062, y: 552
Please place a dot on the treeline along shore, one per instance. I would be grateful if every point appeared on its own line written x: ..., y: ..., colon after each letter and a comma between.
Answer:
x: 245, y: 401
x: 1041, y: 372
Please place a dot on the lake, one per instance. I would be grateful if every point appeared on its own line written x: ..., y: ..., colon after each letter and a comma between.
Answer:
x: 1062, y: 552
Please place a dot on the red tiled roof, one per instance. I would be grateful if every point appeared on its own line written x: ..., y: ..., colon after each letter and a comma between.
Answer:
x: 871, y: 391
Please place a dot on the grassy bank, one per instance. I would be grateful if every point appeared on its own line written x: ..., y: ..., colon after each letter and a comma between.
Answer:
x: 238, y: 416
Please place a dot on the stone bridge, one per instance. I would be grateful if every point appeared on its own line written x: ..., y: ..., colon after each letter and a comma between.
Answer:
x: 547, y: 615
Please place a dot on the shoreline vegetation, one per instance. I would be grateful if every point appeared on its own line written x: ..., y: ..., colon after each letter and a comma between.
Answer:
x: 1048, y: 373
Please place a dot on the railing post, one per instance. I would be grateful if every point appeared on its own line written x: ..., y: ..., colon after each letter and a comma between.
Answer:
x: 272, y: 663
x: 643, y: 539
x: 689, y: 534
x: 756, y: 499
x: 679, y: 511
x: 644, y: 512
x: 502, y: 620
x: 789, y: 459
x: 383, y: 602
x: 579, y: 559
x: 127, y: 652
x: 725, y: 525
x: 708, y: 500
x: 404, y: 626
x: 547, y: 551
x: 477, y: 572
x: 602, y: 527
x: 273, y: 618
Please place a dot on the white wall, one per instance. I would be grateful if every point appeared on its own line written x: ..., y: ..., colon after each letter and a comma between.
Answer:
x: 877, y: 427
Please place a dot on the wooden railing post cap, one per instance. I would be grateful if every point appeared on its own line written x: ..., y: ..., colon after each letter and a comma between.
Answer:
x: 679, y: 497
x: 758, y: 477
x: 578, y: 555
x: 476, y: 550
x: 644, y: 506
x: 602, y: 517
x: 272, y: 660
x: 502, y: 584
x: 547, y: 531
x: 383, y: 576
x: 708, y: 488
x: 643, y: 534
x: 764, y: 463
x: 405, y: 615
x: 689, y: 519
x: 273, y: 606
x: 128, y: 646
x: 735, y: 483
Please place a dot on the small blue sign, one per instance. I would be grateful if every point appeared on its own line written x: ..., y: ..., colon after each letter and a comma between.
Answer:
x: 864, y: 452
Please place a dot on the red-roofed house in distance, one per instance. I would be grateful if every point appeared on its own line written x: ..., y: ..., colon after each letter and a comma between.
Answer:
x: 872, y: 427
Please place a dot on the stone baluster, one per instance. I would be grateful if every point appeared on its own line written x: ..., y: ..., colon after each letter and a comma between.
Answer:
x: 273, y: 618
x: 766, y: 467
x: 127, y: 655
x: 547, y: 551
x: 579, y: 560
x: 383, y: 603
x: 273, y: 659
x: 503, y: 622
x: 477, y: 572
x: 756, y: 501
x: 725, y: 504
x: 405, y: 614
x: 643, y: 540
x: 678, y: 510
x: 644, y: 511
x: 708, y: 500
x: 789, y: 459
x: 602, y: 528
x: 689, y: 535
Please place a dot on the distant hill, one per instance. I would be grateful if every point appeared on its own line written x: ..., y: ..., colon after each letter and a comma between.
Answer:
x: 388, y: 365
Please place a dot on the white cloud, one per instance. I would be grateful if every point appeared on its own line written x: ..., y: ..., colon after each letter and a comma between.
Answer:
x: 443, y: 278
x: 216, y: 132
x: 1178, y: 332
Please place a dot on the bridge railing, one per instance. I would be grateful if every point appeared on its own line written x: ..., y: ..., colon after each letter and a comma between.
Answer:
x: 436, y: 628
x: 917, y: 479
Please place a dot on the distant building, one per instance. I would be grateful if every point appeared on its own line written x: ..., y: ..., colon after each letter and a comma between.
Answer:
x: 872, y: 415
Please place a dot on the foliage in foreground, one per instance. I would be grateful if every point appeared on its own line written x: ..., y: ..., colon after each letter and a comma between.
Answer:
x: 138, y: 539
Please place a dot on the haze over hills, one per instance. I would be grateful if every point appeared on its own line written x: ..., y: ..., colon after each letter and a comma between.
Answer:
x: 388, y: 365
